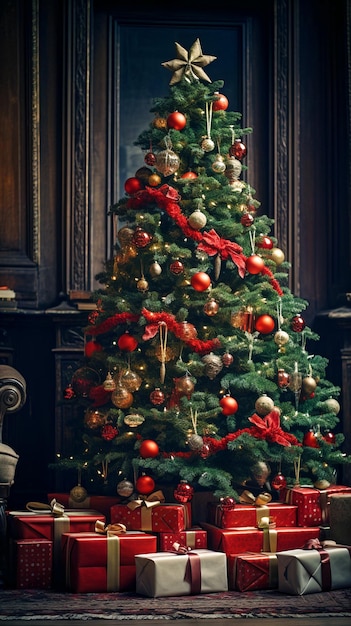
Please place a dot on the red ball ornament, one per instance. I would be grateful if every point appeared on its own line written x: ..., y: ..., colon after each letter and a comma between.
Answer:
x: 264, y: 324
x: 91, y: 347
x: 238, y: 150
x: 229, y: 405
x: 227, y: 359
x: 145, y: 485
x: 329, y: 437
x: 221, y: 103
x: 187, y: 331
x: 247, y: 219
x: 298, y: 324
x: 279, y: 482
x: 176, y: 267
x: 157, y: 397
x: 127, y: 342
x: 141, y: 238
x: 190, y: 175
x: 200, y: 281
x: 227, y: 503
x: 150, y: 158
x: 310, y: 440
x: 265, y: 243
x: 176, y: 120
x: 148, y: 449
x: 133, y: 185
x: 183, y: 492
x: 254, y: 264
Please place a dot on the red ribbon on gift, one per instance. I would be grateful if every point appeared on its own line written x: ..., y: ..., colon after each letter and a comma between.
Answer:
x: 314, y: 544
x: 192, y: 569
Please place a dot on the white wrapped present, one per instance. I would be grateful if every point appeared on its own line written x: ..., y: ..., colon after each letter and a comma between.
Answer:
x: 190, y: 572
x: 314, y: 569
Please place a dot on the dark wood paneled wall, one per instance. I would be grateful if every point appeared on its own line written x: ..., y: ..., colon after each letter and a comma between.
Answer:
x: 60, y: 101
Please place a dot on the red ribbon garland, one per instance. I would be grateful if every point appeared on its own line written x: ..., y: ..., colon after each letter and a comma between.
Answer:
x: 167, y: 198
x: 268, y: 428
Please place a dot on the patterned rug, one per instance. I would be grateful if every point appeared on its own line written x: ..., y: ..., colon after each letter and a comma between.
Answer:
x: 40, y: 605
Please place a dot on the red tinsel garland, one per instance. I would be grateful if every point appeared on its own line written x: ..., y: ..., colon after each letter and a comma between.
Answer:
x: 112, y: 322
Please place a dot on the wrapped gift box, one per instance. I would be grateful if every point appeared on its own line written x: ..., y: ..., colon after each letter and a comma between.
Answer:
x: 30, y: 525
x: 252, y: 571
x: 249, y: 515
x: 309, y: 571
x: 170, y: 574
x: 193, y: 538
x: 238, y: 540
x: 31, y: 564
x: 101, y: 563
x: 97, y: 503
x: 313, y: 504
x: 340, y: 518
x: 161, y: 518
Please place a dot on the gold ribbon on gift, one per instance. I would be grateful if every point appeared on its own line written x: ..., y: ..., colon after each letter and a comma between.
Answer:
x: 55, y: 508
x: 110, y: 529
x: 270, y: 535
x: 246, y: 497
x: 272, y: 569
x: 146, y: 504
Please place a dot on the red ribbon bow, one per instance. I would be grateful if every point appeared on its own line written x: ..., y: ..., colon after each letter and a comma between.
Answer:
x: 213, y: 244
x: 268, y: 428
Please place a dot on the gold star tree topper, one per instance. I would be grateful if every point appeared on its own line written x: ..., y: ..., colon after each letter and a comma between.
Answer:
x: 189, y: 65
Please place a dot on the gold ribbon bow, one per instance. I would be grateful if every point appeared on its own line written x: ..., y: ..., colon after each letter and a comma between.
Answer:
x: 154, y: 499
x: 248, y: 498
x: 110, y: 529
x: 55, y: 508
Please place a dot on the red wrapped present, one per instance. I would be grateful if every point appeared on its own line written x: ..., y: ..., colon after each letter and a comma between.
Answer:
x: 97, y: 563
x: 317, y: 568
x: 248, y: 515
x: 252, y: 571
x: 50, y: 525
x: 233, y: 541
x: 193, y: 538
x: 97, y: 503
x: 152, y: 515
x: 31, y: 564
x: 267, y: 539
x: 181, y: 573
x: 313, y: 504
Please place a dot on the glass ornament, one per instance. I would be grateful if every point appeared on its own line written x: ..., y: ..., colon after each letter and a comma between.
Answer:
x: 122, y: 398
x: 207, y: 144
x: 213, y: 365
x: 195, y: 442
x: 78, y: 494
x: 157, y: 397
x: 133, y: 420
x: 125, y: 488
x: 227, y: 503
x: 83, y: 380
x: 141, y: 239
x: 279, y: 482
x: 211, y: 307
x: 167, y: 162
x: 227, y: 359
x: 176, y: 267
x: 187, y: 331
x: 130, y: 380
x: 283, y: 379
x: 218, y: 165
x: 238, y: 149
x: 93, y: 418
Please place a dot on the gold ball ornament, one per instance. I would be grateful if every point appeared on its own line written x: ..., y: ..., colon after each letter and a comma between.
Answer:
x: 122, y: 398
x: 264, y: 405
x: 332, y: 405
x: 233, y: 169
x: 154, y: 180
x: 277, y: 255
x: 309, y: 384
x: 322, y: 484
x: 184, y: 385
x: 143, y: 173
x: 211, y: 307
x: 281, y: 338
x: 207, y: 144
x: 78, y: 494
x: 218, y: 165
x: 142, y: 285
x: 160, y: 123
x: 197, y: 220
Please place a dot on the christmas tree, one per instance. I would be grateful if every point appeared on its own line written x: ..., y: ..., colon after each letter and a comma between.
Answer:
x: 197, y: 365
